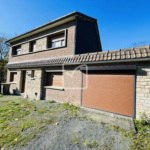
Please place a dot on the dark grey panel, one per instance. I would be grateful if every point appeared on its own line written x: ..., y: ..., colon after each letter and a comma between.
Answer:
x: 86, y: 37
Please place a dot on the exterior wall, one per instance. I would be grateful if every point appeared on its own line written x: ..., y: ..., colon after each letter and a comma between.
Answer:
x: 32, y: 86
x: 71, y: 93
x: 13, y: 88
x: 25, y: 48
x: 87, y: 40
x: 143, y: 90
x: 41, y: 45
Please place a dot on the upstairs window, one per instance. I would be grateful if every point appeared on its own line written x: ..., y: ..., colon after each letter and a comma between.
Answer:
x: 13, y: 76
x: 56, y: 41
x: 32, y: 46
x: 16, y: 50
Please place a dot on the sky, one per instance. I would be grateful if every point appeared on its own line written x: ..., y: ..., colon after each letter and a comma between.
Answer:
x: 121, y: 23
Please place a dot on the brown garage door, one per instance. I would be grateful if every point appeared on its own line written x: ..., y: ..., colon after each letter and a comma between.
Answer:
x: 112, y: 93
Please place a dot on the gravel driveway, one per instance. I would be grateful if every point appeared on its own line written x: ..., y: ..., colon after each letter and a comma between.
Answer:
x: 67, y: 130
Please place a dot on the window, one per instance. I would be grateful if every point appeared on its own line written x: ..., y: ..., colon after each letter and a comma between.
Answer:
x: 13, y: 76
x: 63, y: 42
x: 16, y: 50
x: 56, y: 41
x: 32, y: 46
x: 53, y: 79
x: 32, y: 74
x: 52, y: 45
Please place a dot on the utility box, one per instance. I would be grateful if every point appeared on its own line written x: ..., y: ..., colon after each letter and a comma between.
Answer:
x: 4, y: 88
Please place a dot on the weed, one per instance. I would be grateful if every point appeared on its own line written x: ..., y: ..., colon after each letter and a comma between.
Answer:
x: 140, y: 140
x: 94, y: 144
x: 70, y: 107
x: 76, y: 140
x: 52, y: 101
x: 102, y: 122
x: 90, y: 119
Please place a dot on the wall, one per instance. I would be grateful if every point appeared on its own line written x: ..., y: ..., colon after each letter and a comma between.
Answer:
x: 12, y: 85
x: 41, y: 45
x: 87, y: 40
x: 71, y: 92
x: 73, y: 95
x: 31, y: 86
x: 143, y: 90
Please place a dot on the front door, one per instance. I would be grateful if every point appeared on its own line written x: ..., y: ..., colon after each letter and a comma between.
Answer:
x: 23, y: 81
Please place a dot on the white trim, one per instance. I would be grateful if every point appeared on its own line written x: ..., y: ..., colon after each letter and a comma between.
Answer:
x: 54, y: 87
x: 54, y: 70
x: 12, y: 82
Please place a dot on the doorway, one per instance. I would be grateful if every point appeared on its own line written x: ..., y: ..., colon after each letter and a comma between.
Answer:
x: 23, y: 81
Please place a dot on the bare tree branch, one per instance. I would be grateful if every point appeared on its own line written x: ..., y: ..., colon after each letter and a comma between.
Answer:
x: 4, y: 53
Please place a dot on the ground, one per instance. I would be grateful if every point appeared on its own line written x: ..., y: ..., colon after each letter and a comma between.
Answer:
x: 36, y: 125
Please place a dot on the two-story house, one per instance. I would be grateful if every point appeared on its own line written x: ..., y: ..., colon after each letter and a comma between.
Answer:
x: 45, y: 63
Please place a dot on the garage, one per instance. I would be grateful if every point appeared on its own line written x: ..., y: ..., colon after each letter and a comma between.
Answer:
x: 109, y: 89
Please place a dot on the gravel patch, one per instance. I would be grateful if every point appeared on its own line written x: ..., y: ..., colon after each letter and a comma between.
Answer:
x: 70, y: 131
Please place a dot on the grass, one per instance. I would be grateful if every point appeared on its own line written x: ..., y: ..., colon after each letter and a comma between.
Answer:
x: 21, y: 120
x: 52, y: 101
x: 16, y: 117
x: 140, y: 139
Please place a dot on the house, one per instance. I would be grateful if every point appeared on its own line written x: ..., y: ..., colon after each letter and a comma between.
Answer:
x: 62, y: 60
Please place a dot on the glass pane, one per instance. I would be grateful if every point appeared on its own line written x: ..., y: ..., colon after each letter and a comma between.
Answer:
x: 57, y: 44
x: 18, y: 52
x: 52, y: 45
x: 18, y: 48
x: 34, y: 46
x: 63, y: 42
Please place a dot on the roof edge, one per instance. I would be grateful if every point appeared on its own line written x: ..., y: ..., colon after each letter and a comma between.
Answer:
x: 74, y: 13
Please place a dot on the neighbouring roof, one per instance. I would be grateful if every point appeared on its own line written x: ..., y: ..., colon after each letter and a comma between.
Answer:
x: 132, y: 54
x: 52, y: 24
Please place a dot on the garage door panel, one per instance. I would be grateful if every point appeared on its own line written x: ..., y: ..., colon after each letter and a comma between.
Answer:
x: 113, y: 93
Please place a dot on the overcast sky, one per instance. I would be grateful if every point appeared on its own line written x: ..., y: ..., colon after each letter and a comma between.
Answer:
x: 121, y: 22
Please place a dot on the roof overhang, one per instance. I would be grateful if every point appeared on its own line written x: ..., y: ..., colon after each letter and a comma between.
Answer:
x: 52, y: 24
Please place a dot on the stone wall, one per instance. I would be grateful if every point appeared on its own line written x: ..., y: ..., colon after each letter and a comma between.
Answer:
x: 41, y: 44
x: 32, y: 86
x: 25, y: 48
x: 143, y: 90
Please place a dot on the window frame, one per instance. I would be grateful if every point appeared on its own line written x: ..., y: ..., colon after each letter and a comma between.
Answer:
x: 31, y: 46
x: 10, y: 78
x: 51, y: 86
x: 15, y: 50
x: 57, y: 34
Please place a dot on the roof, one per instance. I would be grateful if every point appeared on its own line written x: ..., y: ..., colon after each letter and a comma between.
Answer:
x: 132, y: 54
x: 66, y: 18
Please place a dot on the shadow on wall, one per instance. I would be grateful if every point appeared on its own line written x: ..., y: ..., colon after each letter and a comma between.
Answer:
x: 141, y: 72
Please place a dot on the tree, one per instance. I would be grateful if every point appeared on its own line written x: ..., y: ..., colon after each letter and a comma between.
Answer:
x: 140, y: 44
x: 4, y: 53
